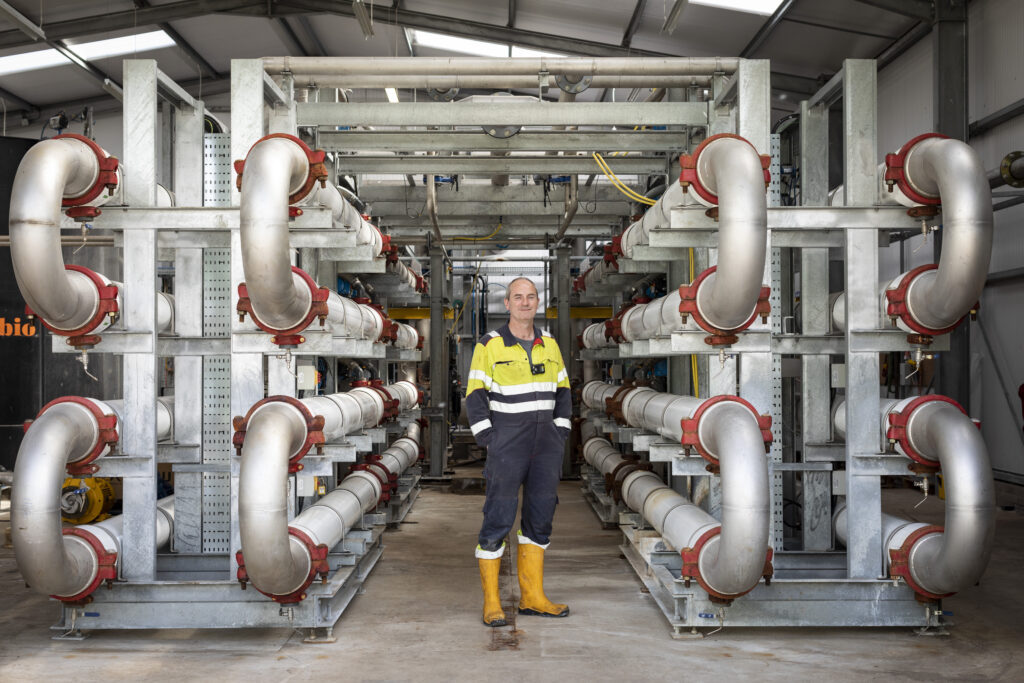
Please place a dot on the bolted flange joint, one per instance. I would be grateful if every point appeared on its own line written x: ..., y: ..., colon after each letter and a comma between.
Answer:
x: 719, y: 337
x: 314, y: 429
x: 690, y: 178
x: 290, y: 336
x: 317, y: 170
x: 691, y: 426
x: 896, y: 172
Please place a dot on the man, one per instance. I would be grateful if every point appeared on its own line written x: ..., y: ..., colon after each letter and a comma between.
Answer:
x: 519, y: 406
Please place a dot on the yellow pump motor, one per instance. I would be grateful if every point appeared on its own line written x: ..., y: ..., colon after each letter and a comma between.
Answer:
x: 85, y: 500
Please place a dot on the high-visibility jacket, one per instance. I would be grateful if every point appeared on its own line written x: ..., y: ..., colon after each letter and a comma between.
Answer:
x: 504, y: 393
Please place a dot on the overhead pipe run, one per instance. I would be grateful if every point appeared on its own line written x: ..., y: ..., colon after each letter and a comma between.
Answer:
x: 279, y: 171
x: 932, y: 170
x: 272, y: 438
x: 435, y: 67
x: 493, y: 82
x: 935, y: 432
x: 72, y: 173
x: 68, y: 437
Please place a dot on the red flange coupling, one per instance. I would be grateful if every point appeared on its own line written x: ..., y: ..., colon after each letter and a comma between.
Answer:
x: 899, y: 563
x: 378, y: 472
x: 317, y: 170
x: 688, y: 165
x: 106, y: 179
x: 691, y: 568
x: 613, y: 326
x: 106, y: 441
x: 611, y: 256
x: 289, y: 337
x: 688, y: 307
x: 388, y: 327
x: 390, y: 403
x: 613, y: 404
x: 318, y: 566
x: 106, y: 305
x: 390, y: 252
x: 896, y: 304
x: 898, y: 421
x: 691, y: 426
x: 375, y: 459
x: 314, y: 429
x: 419, y: 341
x: 106, y: 566
x: 896, y: 172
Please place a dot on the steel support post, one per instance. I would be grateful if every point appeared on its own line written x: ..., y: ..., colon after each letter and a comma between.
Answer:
x: 815, y: 389
x: 188, y: 322
x: 247, y: 126
x: 864, y: 497
x: 563, y: 332
x: 138, y: 429
x: 680, y: 381
x: 439, y: 389
x: 949, y: 86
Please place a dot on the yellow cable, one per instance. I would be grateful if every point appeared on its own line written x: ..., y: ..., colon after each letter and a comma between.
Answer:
x: 497, y: 229
x: 693, y: 357
x: 619, y: 184
x: 632, y: 194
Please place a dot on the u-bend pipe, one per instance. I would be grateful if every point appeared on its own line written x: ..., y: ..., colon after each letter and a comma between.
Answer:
x: 65, y: 433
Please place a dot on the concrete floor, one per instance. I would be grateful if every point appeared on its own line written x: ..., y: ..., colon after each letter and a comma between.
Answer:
x: 419, y: 619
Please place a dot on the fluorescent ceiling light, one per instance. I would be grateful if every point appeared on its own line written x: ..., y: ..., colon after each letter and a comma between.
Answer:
x: 100, y: 49
x: 762, y: 7
x: 466, y: 46
x: 392, y: 95
x: 527, y: 52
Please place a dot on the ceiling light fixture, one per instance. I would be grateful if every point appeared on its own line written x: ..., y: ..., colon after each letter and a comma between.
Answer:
x: 364, y: 18
x: 673, y: 16
x: 99, y: 49
x: 392, y: 95
x: 762, y: 7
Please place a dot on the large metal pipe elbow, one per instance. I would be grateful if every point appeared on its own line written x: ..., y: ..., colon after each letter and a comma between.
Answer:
x: 947, y: 562
x: 275, y: 171
x: 733, y: 561
x: 275, y: 561
x: 51, y: 171
x: 932, y: 170
x: 726, y: 171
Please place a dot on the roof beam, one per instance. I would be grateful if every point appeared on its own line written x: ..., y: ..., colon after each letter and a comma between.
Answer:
x: 287, y: 35
x: 133, y: 18
x: 919, y: 9
x: 183, y: 45
x: 12, y: 100
x: 634, y: 22
x: 24, y: 24
x: 98, y: 75
x: 312, y: 39
x: 766, y: 28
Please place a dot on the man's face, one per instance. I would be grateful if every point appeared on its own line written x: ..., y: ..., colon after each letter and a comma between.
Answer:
x: 522, y: 301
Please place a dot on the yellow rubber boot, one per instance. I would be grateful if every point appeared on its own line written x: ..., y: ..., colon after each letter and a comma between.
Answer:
x: 493, y: 614
x: 531, y: 584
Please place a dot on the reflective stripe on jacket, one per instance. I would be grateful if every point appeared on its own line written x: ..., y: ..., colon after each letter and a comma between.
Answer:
x: 503, y: 392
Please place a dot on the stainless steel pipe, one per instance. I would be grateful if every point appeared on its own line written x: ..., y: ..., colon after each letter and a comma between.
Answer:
x: 279, y: 563
x: 302, y: 67
x: 949, y: 561
x: 275, y: 168
x: 50, y: 562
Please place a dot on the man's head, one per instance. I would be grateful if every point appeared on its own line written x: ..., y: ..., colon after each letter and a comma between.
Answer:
x: 521, y: 300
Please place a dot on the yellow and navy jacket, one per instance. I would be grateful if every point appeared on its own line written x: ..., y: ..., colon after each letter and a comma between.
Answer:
x: 503, y: 393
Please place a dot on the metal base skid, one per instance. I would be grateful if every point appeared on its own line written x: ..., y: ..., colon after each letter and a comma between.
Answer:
x: 804, y: 593
x: 594, y: 493
x: 187, y: 594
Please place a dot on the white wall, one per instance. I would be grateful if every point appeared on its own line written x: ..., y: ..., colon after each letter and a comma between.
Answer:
x: 905, y: 109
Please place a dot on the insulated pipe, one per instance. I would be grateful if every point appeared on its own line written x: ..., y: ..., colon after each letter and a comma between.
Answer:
x: 477, y: 82
x: 935, y: 170
x: 276, y: 432
x: 655, y: 218
x: 302, y: 67
x: 407, y: 337
x: 67, y: 431
x: 602, y: 455
x: 933, y: 430
x: 657, y: 318
x: 275, y: 170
